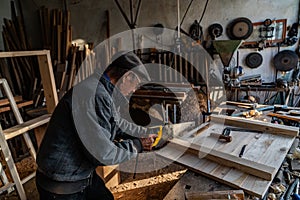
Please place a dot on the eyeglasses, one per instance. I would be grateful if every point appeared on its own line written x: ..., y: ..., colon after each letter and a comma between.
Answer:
x: 136, y: 77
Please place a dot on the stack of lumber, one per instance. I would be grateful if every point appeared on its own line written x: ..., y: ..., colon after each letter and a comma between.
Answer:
x: 57, y: 37
x: 56, y: 33
x: 22, y: 72
x: 81, y: 65
x: 68, y: 59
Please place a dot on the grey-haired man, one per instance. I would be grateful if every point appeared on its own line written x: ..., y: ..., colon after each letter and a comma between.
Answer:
x: 82, y: 133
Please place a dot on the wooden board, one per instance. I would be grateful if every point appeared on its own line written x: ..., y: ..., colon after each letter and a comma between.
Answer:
x: 256, y: 125
x: 285, y: 116
x: 263, y: 156
x: 23, y: 53
x: 48, y: 81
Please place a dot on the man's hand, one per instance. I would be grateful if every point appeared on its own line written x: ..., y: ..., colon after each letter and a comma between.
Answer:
x: 148, y: 142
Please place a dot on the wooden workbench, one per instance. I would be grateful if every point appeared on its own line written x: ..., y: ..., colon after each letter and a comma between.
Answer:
x: 254, y: 171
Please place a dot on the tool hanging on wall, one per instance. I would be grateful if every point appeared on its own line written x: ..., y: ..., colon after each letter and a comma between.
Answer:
x: 266, y: 32
x: 215, y: 30
x: 285, y: 60
x: 254, y: 60
x: 195, y: 31
x: 240, y: 29
x: 293, y: 33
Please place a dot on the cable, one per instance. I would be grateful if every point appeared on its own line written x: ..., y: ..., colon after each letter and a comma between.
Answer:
x: 188, y: 8
x: 203, y: 11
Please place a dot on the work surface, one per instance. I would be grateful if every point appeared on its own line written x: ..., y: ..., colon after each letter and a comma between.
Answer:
x: 263, y: 153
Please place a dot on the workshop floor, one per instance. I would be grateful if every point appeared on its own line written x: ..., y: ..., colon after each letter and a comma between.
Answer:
x: 152, y: 185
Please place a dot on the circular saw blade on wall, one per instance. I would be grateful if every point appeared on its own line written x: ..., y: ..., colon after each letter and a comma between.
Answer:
x: 240, y: 29
x: 254, y: 60
x: 285, y: 60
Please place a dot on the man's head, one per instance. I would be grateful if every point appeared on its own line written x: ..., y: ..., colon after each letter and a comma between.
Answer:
x: 126, y: 72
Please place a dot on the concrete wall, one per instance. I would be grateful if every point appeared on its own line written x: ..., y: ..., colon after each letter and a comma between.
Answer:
x: 4, y: 13
x: 88, y: 16
x: 89, y: 21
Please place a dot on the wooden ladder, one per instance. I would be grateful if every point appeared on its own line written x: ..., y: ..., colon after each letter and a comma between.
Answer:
x: 110, y: 174
x: 46, y: 71
x: 12, y: 132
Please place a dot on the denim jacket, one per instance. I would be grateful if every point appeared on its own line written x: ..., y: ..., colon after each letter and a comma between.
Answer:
x: 81, y: 132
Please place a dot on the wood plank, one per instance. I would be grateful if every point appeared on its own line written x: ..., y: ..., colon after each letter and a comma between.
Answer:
x: 288, y: 117
x: 4, y: 102
x: 256, y: 186
x: 23, y: 53
x: 59, y: 43
x: 257, y: 148
x: 276, y: 152
x: 172, y: 151
x: 26, y: 126
x: 206, y: 165
x: 253, y: 168
x: 227, y: 194
x: 235, y: 176
x: 220, y: 171
x: 73, y: 67
x: 48, y: 81
x: 250, y: 105
x: 238, y: 141
x: 19, y: 105
x: 189, y: 160
x: 256, y: 125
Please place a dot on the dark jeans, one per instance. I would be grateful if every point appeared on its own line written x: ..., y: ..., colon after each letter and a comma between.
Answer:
x: 96, y: 190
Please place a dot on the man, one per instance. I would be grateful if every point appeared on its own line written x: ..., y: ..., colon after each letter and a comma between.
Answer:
x: 83, y: 131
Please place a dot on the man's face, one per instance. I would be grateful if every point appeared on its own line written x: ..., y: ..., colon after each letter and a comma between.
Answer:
x: 128, y: 83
